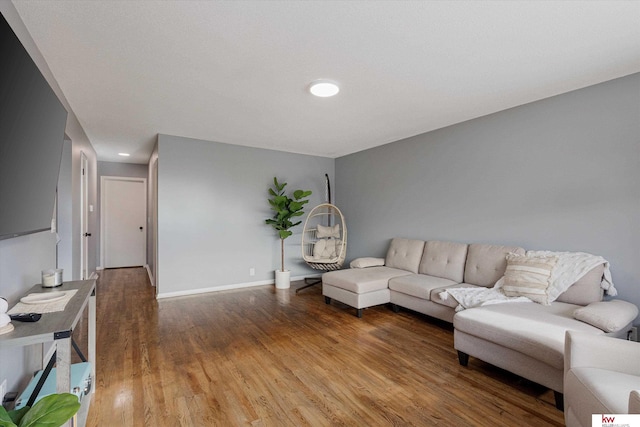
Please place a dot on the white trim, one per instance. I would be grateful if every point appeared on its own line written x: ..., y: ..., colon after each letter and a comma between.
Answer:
x: 99, y: 268
x: 105, y: 178
x: 226, y: 287
x: 153, y: 283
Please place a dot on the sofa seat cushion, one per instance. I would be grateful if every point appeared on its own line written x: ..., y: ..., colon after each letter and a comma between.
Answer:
x: 601, y: 390
x: 418, y: 285
x: 362, y: 280
x: 529, y: 328
x: 450, y: 301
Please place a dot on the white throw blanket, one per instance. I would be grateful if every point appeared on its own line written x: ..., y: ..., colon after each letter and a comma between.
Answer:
x: 570, y: 268
x: 478, y: 297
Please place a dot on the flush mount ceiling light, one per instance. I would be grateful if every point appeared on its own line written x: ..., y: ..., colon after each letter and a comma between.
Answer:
x: 124, y: 154
x: 324, y: 88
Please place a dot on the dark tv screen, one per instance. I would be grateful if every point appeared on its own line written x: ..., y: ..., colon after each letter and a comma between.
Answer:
x: 32, y: 124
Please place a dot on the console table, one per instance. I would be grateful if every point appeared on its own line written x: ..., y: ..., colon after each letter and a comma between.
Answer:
x: 58, y: 327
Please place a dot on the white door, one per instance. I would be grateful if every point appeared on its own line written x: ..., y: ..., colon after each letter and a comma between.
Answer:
x: 124, y: 212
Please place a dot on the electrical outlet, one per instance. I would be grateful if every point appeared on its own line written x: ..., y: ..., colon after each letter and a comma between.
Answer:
x: 3, y: 390
x: 252, y: 271
x: 633, y: 336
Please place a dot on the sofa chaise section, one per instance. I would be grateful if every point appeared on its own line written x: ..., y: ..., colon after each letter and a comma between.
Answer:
x: 366, y: 287
x: 528, y: 338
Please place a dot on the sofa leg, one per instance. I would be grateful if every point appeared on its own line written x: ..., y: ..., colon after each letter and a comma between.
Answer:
x: 359, y: 313
x: 463, y: 358
x: 327, y: 300
x: 559, y: 400
x: 395, y: 308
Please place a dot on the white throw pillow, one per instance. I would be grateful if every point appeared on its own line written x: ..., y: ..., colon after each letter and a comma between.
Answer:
x: 326, y: 249
x: 610, y: 316
x: 325, y: 232
x: 529, y: 276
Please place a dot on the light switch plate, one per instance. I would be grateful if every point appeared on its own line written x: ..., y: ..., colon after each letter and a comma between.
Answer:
x: 3, y: 390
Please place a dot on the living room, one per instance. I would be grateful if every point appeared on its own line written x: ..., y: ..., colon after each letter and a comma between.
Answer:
x: 550, y: 167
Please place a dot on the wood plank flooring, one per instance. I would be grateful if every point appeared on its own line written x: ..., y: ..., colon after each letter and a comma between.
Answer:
x: 261, y: 357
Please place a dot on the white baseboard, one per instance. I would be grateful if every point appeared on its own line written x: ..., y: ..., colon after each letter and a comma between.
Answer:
x: 99, y: 268
x: 227, y: 287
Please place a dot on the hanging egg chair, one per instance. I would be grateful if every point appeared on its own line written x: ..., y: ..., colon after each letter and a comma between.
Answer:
x: 324, y: 238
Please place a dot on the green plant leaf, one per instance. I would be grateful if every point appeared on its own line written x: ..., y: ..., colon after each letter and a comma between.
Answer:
x: 51, y: 411
x: 279, y: 186
x: 295, y: 206
x: 285, y: 233
x: 5, y: 419
x: 17, y: 414
x: 281, y: 200
x: 301, y: 194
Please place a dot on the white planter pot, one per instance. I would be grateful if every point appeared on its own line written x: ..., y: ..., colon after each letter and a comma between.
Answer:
x: 283, y: 279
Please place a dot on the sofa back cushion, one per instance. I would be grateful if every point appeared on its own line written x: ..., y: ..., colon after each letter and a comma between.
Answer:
x: 405, y: 254
x: 444, y: 259
x: 586, y: 290
x: 486, y: 263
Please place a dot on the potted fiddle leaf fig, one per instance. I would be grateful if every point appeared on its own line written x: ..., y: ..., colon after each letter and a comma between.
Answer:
x: 51, y: 411
x: 286, y: 209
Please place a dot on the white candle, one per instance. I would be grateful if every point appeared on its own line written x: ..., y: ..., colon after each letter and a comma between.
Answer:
x: 48, y: 278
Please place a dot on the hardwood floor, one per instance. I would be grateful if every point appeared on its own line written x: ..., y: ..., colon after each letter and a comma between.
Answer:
x: 262, y: 357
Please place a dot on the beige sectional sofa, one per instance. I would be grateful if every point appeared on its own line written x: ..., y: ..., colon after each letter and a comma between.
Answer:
x: 525, y: 338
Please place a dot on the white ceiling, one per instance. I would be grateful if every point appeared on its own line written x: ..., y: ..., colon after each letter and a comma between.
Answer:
x: 238, y: 71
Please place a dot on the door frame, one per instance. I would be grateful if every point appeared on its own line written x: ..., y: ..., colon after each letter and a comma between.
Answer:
x: 84, y: 216
x: 154, y: 221
x: 103, y: 180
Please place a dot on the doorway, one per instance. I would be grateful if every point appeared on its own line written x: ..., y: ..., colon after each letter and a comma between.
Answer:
x: 123, y: 221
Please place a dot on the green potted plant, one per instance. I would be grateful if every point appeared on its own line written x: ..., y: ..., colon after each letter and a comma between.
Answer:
x: 286, y: 210
x: 51, y: 411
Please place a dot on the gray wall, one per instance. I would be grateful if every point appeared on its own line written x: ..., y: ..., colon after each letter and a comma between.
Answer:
x: 121, y: 169
x: 212, y: 203
x: 114, y: 169
x: 21, y: 261
x: 23, y: 258
x: 559, y: 174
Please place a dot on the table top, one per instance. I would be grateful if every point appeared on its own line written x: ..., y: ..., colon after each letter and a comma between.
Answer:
x: 51, y: 325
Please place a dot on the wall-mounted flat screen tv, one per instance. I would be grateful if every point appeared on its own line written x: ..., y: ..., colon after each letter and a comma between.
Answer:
x: 32, y: 124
